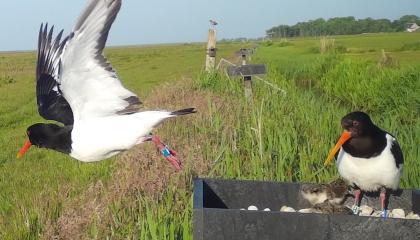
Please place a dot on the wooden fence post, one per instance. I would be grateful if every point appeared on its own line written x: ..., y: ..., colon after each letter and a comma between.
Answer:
x: 248, y: 87
x: 246, y: 71
x: 211, y: 51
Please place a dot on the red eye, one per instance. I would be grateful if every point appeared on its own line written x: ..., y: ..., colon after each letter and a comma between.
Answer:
x: 355, y: 123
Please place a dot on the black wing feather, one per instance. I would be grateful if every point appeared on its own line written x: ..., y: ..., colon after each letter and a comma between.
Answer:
x: 398, y: 155
x: 51, y: 104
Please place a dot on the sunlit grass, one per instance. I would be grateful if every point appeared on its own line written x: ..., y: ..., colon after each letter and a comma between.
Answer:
x: 31, y: 188
x: 276, y: 136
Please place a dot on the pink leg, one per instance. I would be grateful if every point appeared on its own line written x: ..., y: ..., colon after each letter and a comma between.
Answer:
x: 170, y: 155
x: 355, y: 208
x: 357, y: 194
x: 382, y: 197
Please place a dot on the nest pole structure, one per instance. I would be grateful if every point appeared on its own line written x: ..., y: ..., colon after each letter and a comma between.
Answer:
x: 211, y: 51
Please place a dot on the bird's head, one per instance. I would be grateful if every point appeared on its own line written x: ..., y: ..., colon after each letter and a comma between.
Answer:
x: 355, y: 124
x: 314, y: 193
x: 39, y: 135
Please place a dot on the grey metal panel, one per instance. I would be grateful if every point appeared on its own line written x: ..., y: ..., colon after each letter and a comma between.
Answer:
x: 246, y: 70
x: 220, y: 217
x: 258, y: 225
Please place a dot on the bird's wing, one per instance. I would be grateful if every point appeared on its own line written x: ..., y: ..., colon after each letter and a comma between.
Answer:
x: 51, y: 103
x: 88, y: 82
x: 396, y: 151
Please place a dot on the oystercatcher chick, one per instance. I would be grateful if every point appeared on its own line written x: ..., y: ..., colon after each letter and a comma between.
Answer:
x: 327, y: 198
x: 78, y: 87
x: 370, y: 159
x: 334, y: 192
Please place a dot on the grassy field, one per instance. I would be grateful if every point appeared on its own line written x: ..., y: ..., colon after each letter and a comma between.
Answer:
x: 277, y: 136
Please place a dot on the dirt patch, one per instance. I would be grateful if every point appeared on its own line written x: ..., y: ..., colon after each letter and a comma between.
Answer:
x: 142, y: 170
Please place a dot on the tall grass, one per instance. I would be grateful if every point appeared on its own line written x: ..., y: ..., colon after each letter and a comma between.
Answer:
x: 340, y: 85
x: 286, y: 138
x: 273, y: 137
x: 326, y: 44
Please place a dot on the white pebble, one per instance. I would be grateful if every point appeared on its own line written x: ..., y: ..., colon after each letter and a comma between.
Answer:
x: 398, y: 213
x: 412, y: 215
x: 306, y: 210
x: 365, y: 210
x: 252, y: 208
x: 242, y: 209
x: 267, y: 209
x: 287, y: 209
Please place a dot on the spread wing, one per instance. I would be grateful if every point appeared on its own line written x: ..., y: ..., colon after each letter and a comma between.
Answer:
x: 88, y: 82
x: 51, y: 103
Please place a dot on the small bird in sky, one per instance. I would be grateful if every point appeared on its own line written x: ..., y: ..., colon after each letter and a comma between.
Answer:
x: 213, y: 23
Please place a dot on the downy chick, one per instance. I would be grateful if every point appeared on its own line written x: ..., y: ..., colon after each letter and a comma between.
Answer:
x: 334, y: 192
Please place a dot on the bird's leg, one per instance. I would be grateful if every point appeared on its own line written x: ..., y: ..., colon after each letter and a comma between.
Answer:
x: 357, y: 192
x: 170, y: 155
x: 382, y: 197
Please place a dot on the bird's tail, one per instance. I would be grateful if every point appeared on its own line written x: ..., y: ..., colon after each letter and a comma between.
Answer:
x: 183, y: 112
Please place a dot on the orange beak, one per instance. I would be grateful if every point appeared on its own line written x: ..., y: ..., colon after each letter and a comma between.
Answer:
x: 25, y: 148
x: 344, y: 137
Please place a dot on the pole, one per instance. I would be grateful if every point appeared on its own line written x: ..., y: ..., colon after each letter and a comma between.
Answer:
x: 211, y: 51
x: 248, y: 87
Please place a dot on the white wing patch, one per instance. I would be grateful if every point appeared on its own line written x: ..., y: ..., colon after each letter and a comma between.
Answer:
x: 87, y: 80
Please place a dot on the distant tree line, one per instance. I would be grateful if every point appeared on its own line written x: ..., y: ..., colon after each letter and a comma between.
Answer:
x: 341, y: 26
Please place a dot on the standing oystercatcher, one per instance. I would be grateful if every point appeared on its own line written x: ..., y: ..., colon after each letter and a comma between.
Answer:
x: 78, y: 87
x: 370, y: 159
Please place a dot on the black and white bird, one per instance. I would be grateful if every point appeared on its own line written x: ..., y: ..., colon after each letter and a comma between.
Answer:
x: 78, y: 87
x: 213, y: 23
x: 370, y: 159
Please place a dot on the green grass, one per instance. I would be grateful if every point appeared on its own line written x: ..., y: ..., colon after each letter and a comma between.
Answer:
x: 286, y: 137
x: 404, y: 46
x: 31, y: 187
x: 274, y: 137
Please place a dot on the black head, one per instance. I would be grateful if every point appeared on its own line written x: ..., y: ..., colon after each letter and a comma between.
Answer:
x: 360, y: 138
x: 48, y: 136
x: 42, y: 135
x: 357, y: 123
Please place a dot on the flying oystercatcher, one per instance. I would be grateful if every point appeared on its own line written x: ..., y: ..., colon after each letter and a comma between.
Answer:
x: 370, y: 159
x: 78, y: 87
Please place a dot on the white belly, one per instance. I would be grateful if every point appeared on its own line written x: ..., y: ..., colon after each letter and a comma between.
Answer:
x: 97, y: 139
x: 372, y: 173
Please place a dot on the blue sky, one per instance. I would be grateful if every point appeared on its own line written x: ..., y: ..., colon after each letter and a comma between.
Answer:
x: 168, y: 21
